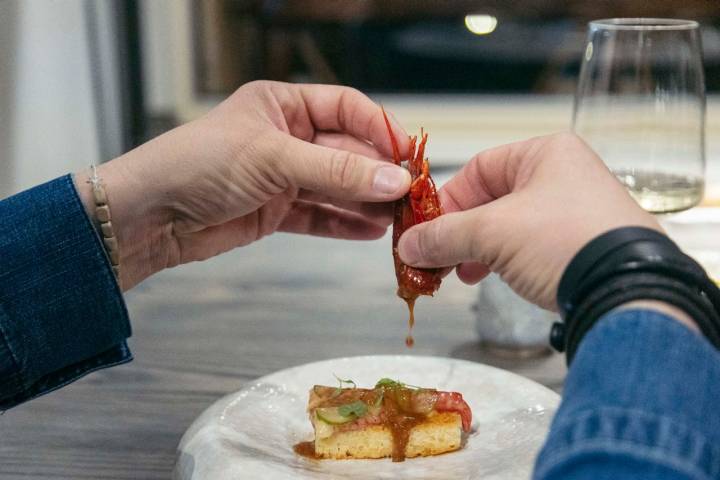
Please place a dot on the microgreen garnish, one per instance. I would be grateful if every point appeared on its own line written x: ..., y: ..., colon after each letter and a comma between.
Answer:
x: 341, y: 381
x: 390, y: 383
x: 357, y: 409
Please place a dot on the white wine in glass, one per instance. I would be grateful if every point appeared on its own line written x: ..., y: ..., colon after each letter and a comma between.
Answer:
x: 640, y: 104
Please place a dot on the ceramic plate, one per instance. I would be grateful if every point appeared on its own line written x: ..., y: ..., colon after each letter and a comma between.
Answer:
x: 250, y: 433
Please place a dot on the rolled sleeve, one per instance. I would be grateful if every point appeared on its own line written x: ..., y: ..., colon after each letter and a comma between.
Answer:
x: 640, y: 401
x: 62, y: 314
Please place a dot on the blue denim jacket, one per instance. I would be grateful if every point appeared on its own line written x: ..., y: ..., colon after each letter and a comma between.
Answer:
x: 641, y: 399
x: 62, y: 314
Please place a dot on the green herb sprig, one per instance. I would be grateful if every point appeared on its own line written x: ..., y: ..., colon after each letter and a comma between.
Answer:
x: 390, y: 383
x: 341, y: 382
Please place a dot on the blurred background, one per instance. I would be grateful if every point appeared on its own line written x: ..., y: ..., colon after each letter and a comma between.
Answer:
x: 84, y: 80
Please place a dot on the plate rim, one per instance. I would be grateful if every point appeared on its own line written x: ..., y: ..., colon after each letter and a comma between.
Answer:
x: 222, y: 401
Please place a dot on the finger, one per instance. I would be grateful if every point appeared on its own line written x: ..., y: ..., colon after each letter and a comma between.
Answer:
x: 472, y: 272
x: 343, y: 141
x: 236, y: 232
x: 378, y: 213
x: 327, y: 221
x: 448, y: 240
x: 339, y: 173
x: 347, y: 110
x: 487, y: 176
x: 444, y: 272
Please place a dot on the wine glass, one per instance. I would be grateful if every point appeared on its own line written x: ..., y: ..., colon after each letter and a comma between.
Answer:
x: 640, y: 104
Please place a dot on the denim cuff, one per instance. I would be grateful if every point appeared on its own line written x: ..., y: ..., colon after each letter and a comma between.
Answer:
x: 62, y: 314
x: 632, y: 437
x: 642, y: 391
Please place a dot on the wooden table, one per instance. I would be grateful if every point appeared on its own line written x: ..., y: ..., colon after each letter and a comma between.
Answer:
x: 203, y: 330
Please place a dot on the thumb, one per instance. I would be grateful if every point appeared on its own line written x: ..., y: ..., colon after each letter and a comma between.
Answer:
x: 343, y: 174
x: 448, y: 240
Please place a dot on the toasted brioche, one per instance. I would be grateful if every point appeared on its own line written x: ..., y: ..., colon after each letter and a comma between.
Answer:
x: 438, y: 433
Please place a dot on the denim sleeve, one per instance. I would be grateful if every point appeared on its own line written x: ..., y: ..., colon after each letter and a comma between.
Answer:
x: 641, y: 401
x: 62, y: 314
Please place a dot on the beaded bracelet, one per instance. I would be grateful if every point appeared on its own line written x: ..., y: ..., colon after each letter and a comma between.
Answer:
x: 102, y: 213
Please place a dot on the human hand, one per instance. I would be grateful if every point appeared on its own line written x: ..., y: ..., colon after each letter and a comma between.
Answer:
x: 523, y: 210
x: 272, y: 157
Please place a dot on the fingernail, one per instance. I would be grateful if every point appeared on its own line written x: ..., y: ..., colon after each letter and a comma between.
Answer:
x: 409, y: 248
x: 390, y: 179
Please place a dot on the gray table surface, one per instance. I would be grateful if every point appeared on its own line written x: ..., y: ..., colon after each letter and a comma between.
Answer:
x: 203, y: 330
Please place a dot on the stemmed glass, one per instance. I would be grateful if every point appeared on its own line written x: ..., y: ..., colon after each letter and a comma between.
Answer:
x: 640, y: 104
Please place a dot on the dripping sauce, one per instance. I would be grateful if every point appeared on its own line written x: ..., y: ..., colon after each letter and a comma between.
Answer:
x: 409, y: 340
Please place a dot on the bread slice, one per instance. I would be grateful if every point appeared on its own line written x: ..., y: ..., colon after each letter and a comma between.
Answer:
x: 437, y: 433
x: 391, y: 420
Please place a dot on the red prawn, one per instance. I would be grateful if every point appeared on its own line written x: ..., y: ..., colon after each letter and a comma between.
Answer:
x: 419, y: 205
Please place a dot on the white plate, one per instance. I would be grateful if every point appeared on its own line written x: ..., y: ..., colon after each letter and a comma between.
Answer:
x: 250, y: 433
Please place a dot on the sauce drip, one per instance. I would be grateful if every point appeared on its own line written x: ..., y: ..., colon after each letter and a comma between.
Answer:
x: 400, y: 423
x: 409, y: 340
x: 305, y: 449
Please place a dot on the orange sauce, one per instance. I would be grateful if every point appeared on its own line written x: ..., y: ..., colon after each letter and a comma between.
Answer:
x: 409, y: 340
x: 400, y: 424
x: 305, y: 449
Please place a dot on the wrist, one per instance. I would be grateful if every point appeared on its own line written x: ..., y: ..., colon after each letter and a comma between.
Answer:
x: 137, y: 219
x: 662, y: 307
x: 627, y: 265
